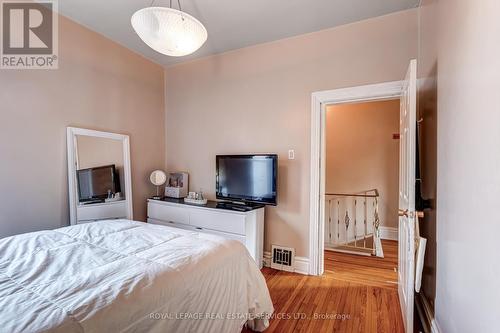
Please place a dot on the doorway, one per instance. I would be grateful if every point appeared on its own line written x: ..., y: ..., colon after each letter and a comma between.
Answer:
x: 361, y: 176
x: 406, y: 91
x: 320, y: 101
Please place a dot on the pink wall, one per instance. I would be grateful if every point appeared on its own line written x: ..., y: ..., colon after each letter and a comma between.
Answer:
x: 99, y: 85
x: 361, y: 153
x: 257, y: 99
x: 468, y: 164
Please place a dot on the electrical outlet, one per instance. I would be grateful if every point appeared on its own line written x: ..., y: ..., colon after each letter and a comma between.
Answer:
x: 291, y: 154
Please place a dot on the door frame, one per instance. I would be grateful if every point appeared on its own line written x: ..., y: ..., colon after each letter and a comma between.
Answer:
x: 320, y: 99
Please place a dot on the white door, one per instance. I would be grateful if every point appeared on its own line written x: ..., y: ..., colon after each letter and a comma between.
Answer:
x: 406, y: 258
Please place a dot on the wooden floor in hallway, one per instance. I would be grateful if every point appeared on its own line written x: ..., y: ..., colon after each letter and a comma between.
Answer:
x: 356, y: 294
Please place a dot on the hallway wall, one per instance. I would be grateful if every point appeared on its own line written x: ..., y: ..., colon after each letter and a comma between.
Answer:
x: 361, y: 153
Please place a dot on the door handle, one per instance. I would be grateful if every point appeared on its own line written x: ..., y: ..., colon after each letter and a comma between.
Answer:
x: 405, y: 213
x: 402, y: 212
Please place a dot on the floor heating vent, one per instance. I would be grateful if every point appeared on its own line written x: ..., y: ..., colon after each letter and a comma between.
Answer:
x: 282, y: 258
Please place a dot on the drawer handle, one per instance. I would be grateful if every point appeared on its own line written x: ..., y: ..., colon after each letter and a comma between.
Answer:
x: 171, y: 222
x: 199, y: 228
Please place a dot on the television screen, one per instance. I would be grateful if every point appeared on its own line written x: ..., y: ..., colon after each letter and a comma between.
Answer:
x: 94, y: 183
x: 250, y: 178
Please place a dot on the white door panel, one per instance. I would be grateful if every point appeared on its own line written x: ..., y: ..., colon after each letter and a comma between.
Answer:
x: 407, y: 149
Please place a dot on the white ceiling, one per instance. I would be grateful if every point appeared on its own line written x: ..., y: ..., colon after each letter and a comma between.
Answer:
x: 231, y: 24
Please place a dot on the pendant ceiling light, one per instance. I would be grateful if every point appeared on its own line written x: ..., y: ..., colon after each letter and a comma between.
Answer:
x: 169, y: 31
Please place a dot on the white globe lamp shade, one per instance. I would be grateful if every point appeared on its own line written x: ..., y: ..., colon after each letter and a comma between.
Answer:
x: 158, y: 177
x: 169, y: 31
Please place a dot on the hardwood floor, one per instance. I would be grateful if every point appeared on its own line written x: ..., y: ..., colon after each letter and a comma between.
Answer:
x: 356, y: 294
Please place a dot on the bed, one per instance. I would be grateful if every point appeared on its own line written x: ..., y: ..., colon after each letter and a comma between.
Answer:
x: 126, y: 276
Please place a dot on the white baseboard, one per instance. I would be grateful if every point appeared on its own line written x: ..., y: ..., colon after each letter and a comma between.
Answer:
x: 300, y: 265
x: 389, y: 233
x: 426, y: 315
x: 434, y: 326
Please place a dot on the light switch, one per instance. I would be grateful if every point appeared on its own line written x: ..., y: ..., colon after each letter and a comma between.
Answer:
x: 291, y: 154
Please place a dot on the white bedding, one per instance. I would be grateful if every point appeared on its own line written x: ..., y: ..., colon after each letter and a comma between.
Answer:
x: 126, y: 276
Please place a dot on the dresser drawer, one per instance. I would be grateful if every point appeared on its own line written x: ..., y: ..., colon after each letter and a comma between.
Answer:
x: 168, y: 213
x: 240, y: 238
x: 102, y: 211
x: 223, y: 222
x: 171, y: 224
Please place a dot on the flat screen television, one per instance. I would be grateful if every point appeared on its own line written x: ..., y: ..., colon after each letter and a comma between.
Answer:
x: 247, y: 178
x: 94, y: 183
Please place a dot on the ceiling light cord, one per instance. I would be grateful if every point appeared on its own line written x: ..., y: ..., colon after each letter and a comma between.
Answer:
x: 170, y: 6
x: 178, y: 3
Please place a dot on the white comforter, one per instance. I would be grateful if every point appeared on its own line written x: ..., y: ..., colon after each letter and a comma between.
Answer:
x: 125, y: 276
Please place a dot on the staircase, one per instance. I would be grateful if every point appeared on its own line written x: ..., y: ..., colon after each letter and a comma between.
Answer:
x: 352, y: 223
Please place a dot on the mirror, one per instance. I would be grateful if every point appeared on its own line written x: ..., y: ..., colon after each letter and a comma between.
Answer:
x: 158, y: 178
x: 99, y: 178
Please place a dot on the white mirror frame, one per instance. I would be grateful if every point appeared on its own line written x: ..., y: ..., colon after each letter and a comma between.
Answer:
x: 71, y: 133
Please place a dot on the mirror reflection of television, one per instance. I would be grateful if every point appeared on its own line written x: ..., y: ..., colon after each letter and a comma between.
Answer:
x: 247, y: 178
x: 94, y: 183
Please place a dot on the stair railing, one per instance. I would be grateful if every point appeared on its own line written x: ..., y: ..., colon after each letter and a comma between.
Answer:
x: 352, y: 221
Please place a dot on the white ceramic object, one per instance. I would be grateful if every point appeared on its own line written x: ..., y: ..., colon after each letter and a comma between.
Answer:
x: 196, y: 201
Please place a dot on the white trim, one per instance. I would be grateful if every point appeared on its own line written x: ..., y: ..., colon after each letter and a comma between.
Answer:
x: 389, y: 233
x: 300, y: 264
x: 72, y: 165
x: 71, y: 133
x: 266, y: 260
x: 359, y: 253
x: 426, y: 314
x: 434, y: 326
x: 319, y: 100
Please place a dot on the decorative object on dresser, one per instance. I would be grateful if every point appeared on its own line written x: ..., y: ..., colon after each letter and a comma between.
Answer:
x: 158, y: 178
x: 177, y: 185
x: 112, y: 197
x: 195, y: 198
x: 99, y: 180
x: 245, y: 226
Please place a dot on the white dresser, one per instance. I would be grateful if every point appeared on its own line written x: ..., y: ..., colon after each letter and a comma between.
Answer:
x: 246, y: 227
x: 102, y: 211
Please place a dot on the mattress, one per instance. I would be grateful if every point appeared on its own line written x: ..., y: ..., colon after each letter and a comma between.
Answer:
x: 126, y: 276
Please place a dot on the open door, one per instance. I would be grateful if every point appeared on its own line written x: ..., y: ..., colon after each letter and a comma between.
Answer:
x: 407, y: 214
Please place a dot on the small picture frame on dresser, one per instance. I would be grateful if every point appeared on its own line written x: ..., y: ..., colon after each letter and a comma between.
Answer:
x: 177, y: 185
